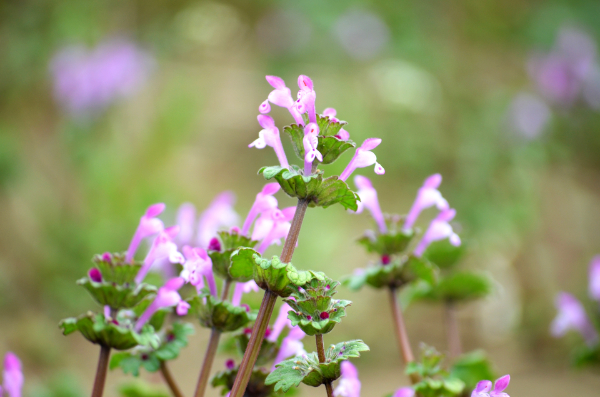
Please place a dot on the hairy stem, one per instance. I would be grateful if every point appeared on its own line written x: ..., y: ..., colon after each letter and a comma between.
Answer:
x: 401, y: 334
x: 209, y: 357
x: 452, y: 330
x: 225, y: 292
x: 266, y: 308
x: 100, y: 380
x: 321, y: 354
x: 164, y: 370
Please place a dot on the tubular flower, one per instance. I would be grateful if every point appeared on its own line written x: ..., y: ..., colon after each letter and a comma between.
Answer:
x: 264, y: 201
x: 167, y: 296
x: 349, y: 385
x: 186, y: 220
x: 148, y: 226
x: 439, y: 229
x: 269, y: 135
x: 427, y: 196
x: 13, y: 376
x: 282, y: 96
x: 306, y: 98
x: 290, y: 346
x: 264, y: 107
x: 197, y: 265
x: 368, y: 199
x: 311, y: 131
x: 342, y: 134
x: 280, y: 323
x: 163, y: 251
x: 571, y: 316
x: 404, y: 392
x: 483, y: 387
x: 219, y: 214
x: 363, y: 157
x: 595, y: 278
x: 273, y: 226
x: 243, y: 288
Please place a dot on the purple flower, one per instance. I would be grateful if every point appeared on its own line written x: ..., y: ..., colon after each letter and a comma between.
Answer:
x: 269, y: 135
x: 571, y: 316
x: 349, y: 385
x: 148, y: 226
x: 243, y: 288
x: 342, y: 134
x: 404, y: 392
x: 95, y: 275
x: 186, y: 220
x: 272, y: 226
x: 167, y: 296
x: 264, y: 107
x: 219, y: 214
x: 88, y: 81
x: 163, y: 251
x: 13, y: 376
x: 368, y: 199
x: 306, y: 98
x: 310, y: 141
x: 483, y: 387
x: 528, y: 115
x: 290, y: 346
x: 198, y: 265
x: 280, y: 323
x: 264, y: 202
x: 427, y: 196
x: 439, y: 229
x: 595, y: 278
x: 282, y: 96
x: 363, y: 157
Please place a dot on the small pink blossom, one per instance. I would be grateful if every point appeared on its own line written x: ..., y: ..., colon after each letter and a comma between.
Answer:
x: 571, y: 316
x: 264, y: 202
x: 306, y: 98
x: 272, y: 226
x: 13, y: 376
x: 186, y: 220
x: 291, y: 346
x: 349, y: 385
x: 243, y: 288
x: 163, y: 251
x: 167, y: 296
x: 282, y: 96
x: 368, y: 199
x: 269, y: 136
x: 149, y: 225
x: 483, y: 387
x: 364, y: 157
x: 280, y: 323
x: 439, y: 229
x: 197, y: 266
x: 427, y: 196
x: 595, y: 278
x: 404, y: 392
x: 310, y: 141
x: 220, y: 213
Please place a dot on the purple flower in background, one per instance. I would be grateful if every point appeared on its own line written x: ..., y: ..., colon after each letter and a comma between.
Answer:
x: 198, y: 265
x: 280, y: 323
x: 186, y: 220
x: 264, y: 201
x: 167, y: 296
x: 269, y: 135
x: 272, y: 226
x: 290, y: 346
x: 219, y: 214
x: 528, y: 115
x: 243, y: 288
x: 162, y: 252
x: 363, y: 157
x: 282, y: 96
x: 86, y: 81
x: 349, y: 385
x: 427, y: 196
x: 404, y: 392
x: 439, y: 229
x: 12, y: 377
x: 483, y: 387
x: 306, y: 98
x: 571, y: 316
x: 331, y: 113
x: 310, y: 141
x: 368, y: 199
x: 595, y: 278
x: 148, y: 226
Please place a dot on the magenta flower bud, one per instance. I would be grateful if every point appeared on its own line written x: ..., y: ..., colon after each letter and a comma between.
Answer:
x: 264, y: 202
x: 364, y: 157
x: 246, y: 307
x: 269, y: 136
x: 290, y: 346
x: 107, y: 257
x: 571, y: 316
x: 280, y: 323
x: 219, y: 214
x: 95, y: 275
x: 214, y: 244
x: 324, y: 315
x: 243, y: 288
x: 309, y: 317
x: 439, y: 229
x: 427, y: 196
x: 385, y: 259
x: 230, y: 364
x: 595, y: 278
x: 369, y: 200
x: 349, y: 385
x: 267, y: 332
x: 264, y: 107
x: 148, y: 226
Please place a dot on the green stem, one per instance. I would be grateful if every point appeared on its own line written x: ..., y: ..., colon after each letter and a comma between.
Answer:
x: 401, y: 334
x: 209, y: 357
x: 164, y: 370
x: 452, y: 330
x: 321, y: 354
x: 100, y: 379
x: 266, y: 308
x: 225, y: 292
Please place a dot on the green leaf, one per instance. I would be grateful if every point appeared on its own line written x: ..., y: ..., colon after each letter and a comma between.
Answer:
x: 242, y: 264
x: 391, y: 243
x: 355, y: 281
x: 472, y: 367
x: 332, y: 191
x: 221, y: 315
x: 444, y: 254
x: 462, y: 286
x: 117, y: 296
x: 116, y: 270
x: 140, y: 388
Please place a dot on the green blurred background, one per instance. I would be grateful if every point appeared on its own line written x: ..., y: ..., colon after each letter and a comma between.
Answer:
x: 437, y: 81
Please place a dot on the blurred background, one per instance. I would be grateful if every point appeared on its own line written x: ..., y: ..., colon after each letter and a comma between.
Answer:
x: 109, y: 106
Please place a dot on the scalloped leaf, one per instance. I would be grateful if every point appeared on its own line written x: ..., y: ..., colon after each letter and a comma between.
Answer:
x: 393, y: 242
x: 116, y: 270
x: 334, y: 190
x: 444, y: 254
x: 242, y: 264
x: 117, y: 296
x: 462, y: 286
x: 221, y: 315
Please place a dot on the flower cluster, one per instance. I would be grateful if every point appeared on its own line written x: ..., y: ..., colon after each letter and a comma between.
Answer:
x: 12, y: 377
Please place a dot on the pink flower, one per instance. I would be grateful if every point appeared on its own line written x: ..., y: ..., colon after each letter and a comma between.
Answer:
x: 186, y: 220
x: 198, y: 265
x: 427, y: 196
x: 280, y: 323
x: 167, y: 296
x: 13, y: 376
x: 243, y: 288
x: 439, y: 229
x: 363, y: 157
x: 310, y: 141
x: 264, y: 202
x: 571, y: 316
x: 595, y: 278
x: 264, y: 107
x: 272, y: 226
x: 349, y: 385
x: 331, y: 112
x: 282, y: 96
x: 368, y: 199
x: 148, y: 226
x: 404, y: 392
x: 483, y: 387
x: 306, y: 98
x: 290, y: 346
x: 219, y: 214
x: 269, y: 135
x: 162, y: 252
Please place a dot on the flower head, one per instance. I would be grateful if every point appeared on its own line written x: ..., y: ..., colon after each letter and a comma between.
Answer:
x: 269, y: 136
x: 219, y: 214
x: 290, y: 346
x: 349, y: 385
x: 439, y: 229
x: 163, y: 251
x: 427, y: 196
x: 167, y: 296
x: 364, y: 157
x: 196, y: 266
x: 483, y: 387
x: 13, y: 376
x: 243, y: 288
x: 306, y: 98
x: 282, y: 96
x: 595, y: 278
x: 368, y: 199
x: 571, y: 316
x: 149, y: 225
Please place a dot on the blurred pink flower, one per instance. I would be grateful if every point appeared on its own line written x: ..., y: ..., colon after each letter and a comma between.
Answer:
x: 167, y: 296
x: 162, y: 252
x: 571, y: 316
x: 243, y: 288
x: 291, y: 346
x: 368, y: 199
x: 13, y: 376
x: 264, y: 201
x: 438, y: 229
x: 149, y: 225
x: 427, y: 196
x: 364, y: 157
x: 595, y: 278
x: 197, y: 266
x: 220, y: 213
x: 349, y: 385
